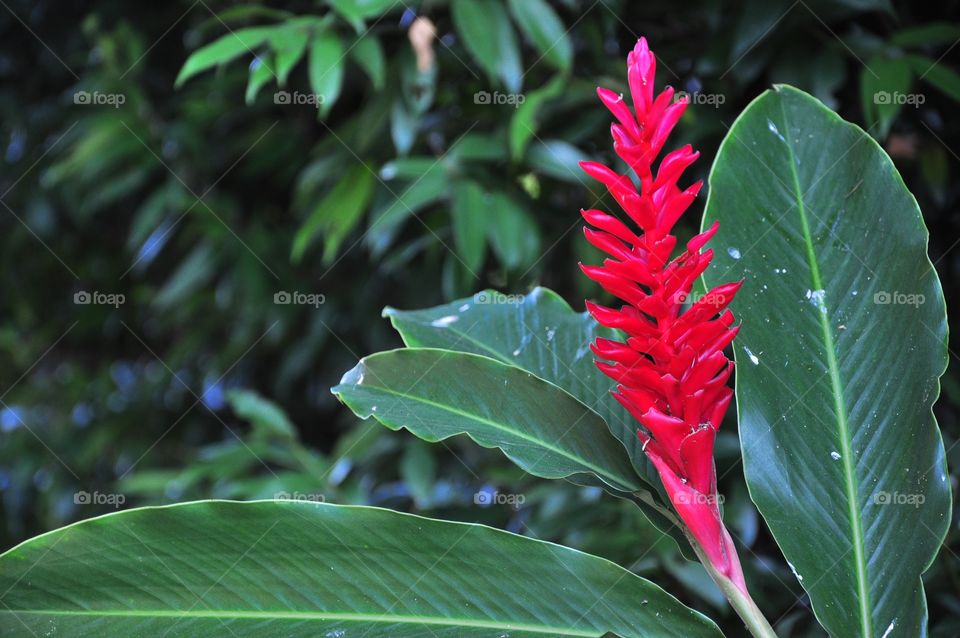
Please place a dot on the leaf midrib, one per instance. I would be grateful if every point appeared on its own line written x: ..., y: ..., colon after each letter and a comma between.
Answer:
x: 850, y: 478
x: 624, y: 483
x: 309, y: 615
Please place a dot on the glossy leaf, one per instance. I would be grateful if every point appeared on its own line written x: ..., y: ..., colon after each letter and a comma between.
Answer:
x: 538, y: 332
x: 291, y: 569
x: 436, y: 394
x: 838, y: 359
x: 490, y: 38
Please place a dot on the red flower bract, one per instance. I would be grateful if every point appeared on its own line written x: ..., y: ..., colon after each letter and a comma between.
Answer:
x: 671, y: 372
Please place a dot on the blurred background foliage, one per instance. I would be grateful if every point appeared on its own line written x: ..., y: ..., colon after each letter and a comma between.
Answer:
x: 204, y: 158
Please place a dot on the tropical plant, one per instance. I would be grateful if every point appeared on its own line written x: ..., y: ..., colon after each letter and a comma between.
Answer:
x: 831, y: 293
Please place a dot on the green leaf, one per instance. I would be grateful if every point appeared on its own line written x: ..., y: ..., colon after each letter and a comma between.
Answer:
x: 469, y: 210
x: 540, y: 23
x: 368, y: 53
x: 523, y: 125
x: 260, y: 74
x: 336, y: 214
x: 326, y: 69
x: 402, y: 202
x: 932, y: 34
x: 540, y: 333
x: 224, y: 49
x: 937, y: 74
x: 289, y: 45
x: 356, y: 11
x: 487, y: 33
x: 512, y: 231
x: 557, y: 159
x: 436, y: 394
x: 884, y: 85
x: 297, y: 569
x: 261, y: 412
x: 838, y: 358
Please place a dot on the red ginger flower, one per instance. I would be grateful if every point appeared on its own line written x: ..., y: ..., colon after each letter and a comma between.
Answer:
x: 672, y: 371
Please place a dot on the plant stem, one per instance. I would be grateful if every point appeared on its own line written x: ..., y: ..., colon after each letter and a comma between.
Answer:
x: 741, y: 601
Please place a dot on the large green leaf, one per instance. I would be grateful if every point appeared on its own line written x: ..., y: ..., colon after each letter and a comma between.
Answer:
x: 839, y: 356
x: 220, y: 568
x: 438, y: 393
x: 541, y: 24
x: 540, y: 333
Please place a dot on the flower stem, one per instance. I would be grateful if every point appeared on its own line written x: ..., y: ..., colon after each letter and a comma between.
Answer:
x: 740, y: 600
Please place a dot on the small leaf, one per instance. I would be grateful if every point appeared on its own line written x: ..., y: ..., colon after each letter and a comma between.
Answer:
x: 326, y: 69
x: 523, y: 126
x: 513, y: 233
x: 368, y: 53
x: 261, y: 412
x: 487, y: 33
x: 337, y: 213
x: 937, y: 74
x: 541, y: 24
x: 260, y: 74
x: 289, y: 45
x: 558, y: 159
x: 404, y: 201
x: 226, y: 48
x: 470, y: 208
x: 882, y: 95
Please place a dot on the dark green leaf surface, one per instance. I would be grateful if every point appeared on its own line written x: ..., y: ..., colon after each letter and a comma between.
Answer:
x: 487, y: 33
x: 540, y: 23
x: 271, y: 569
x: 842, y: 346
x: 436, y: 394
x: 540, y: 333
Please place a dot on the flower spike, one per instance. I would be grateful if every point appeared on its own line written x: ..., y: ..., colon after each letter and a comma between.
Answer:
x: 671, y: 372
